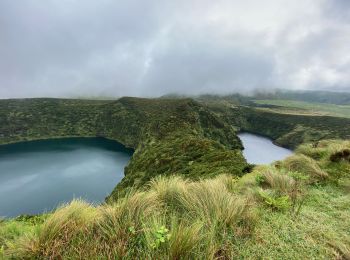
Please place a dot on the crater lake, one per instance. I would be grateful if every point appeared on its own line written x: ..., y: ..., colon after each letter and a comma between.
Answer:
x: 37, y: 176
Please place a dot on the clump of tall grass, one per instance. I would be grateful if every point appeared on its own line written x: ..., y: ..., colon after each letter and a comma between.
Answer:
x: 169, y: 190
x: 122, y: 225
x: 306, y: 165
x: 174, y: 218
x: 333, y: 150
x: 316, y: 151
x: 211, y: 204
x: 208, y: 200
x: 14, y: 230
x: 277, y: 180
x: 185, y: 239
x: 279, y: 189
x: 57, y: 232
x: 222, y: 213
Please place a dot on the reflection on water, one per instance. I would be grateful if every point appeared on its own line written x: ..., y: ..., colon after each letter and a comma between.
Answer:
x: 261, y: 150
x: 38, y: 176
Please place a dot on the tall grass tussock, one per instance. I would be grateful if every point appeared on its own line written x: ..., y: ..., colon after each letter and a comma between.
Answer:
x: 173, y: 219
x: 306, y: 165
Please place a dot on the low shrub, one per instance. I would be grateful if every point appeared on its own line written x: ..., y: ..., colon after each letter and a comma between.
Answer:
x: 343, y: 154
x: 274, y: 200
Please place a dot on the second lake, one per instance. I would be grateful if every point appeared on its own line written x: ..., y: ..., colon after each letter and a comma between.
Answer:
x: 261, y: 150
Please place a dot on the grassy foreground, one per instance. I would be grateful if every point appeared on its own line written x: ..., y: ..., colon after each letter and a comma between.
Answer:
x: 297, y: 208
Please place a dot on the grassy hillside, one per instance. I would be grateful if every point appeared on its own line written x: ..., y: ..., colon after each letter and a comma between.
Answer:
x: 297, y: 208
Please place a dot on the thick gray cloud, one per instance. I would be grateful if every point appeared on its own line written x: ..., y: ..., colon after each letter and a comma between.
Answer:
x: 71, y: 48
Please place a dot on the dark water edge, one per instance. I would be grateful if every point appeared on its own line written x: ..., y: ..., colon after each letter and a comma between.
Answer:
x: 38, y: 176
x: 261, y: 150
x: 62, y: 144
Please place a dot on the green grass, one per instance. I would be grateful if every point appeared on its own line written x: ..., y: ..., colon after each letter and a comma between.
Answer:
x: 274, y: 212
x: 297, y: 107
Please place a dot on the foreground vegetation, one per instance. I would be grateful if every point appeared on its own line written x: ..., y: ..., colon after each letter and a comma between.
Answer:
x: 297, y: 208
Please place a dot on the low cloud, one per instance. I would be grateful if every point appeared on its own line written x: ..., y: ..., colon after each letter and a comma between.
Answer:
x: 115, y: 48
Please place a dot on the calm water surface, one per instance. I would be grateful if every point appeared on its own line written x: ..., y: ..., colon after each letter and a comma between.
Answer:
x: 261, y: 150
x: 38, y: 176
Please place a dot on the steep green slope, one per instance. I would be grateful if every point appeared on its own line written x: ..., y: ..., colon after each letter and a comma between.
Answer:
x: 166, y: 134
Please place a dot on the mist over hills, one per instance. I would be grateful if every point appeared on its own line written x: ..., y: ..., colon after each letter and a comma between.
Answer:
x: 127, y: 48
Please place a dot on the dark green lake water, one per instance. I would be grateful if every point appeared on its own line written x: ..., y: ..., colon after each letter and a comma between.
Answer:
x: 38, y: 176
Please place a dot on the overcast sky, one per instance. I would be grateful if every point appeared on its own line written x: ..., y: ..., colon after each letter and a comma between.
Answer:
x: 72, y: 48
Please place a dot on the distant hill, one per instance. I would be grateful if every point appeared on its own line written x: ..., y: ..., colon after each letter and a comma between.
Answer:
x: 338, y: 98
x: 314, y: 96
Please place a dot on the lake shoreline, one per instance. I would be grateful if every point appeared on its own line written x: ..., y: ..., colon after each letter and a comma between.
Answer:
x: 261, y: 150
x: 40, y: 175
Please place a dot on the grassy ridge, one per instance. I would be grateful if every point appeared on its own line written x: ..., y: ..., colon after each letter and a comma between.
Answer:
x: 294, y: 209
x: 187, y: 155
